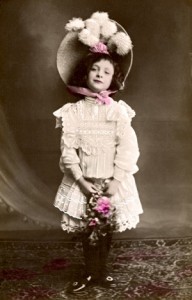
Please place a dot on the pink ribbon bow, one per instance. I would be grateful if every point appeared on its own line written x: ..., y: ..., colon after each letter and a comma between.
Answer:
x: 102, y: 97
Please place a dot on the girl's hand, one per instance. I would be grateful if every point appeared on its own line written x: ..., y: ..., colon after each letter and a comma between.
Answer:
x: 111, y: 188
x: 87, y: 187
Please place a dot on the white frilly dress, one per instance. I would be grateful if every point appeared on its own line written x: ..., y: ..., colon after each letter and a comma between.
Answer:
x: 97, y: 142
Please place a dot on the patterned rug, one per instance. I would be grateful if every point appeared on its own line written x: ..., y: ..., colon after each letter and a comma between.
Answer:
x: 143, y: 269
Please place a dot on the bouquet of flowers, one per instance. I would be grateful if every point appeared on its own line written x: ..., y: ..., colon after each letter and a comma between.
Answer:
x: 99, y: 218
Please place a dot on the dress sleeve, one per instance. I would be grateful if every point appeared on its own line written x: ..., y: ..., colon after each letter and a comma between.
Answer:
x: 69, y: 161
x: 127, y: 150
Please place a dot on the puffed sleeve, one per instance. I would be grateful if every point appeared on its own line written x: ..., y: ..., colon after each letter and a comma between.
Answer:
x: 127, y: 150
x: 66, y: 118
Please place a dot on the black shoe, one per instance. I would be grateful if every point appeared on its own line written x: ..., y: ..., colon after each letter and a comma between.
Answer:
x: 108, y: 282
x: 79, y: 286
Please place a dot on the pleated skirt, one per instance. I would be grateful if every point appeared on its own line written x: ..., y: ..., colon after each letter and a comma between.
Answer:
x: 72, y: 202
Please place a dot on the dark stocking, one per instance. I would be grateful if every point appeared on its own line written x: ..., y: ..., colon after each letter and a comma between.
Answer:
x: 105, y: 245
x: 91, y: 256
x: 96, y: 256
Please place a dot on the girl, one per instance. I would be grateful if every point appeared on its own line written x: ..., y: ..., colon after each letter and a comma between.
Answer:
x: 98, y: 145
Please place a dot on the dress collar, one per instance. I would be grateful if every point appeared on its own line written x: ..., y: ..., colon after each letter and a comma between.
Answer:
x: 91, y: 100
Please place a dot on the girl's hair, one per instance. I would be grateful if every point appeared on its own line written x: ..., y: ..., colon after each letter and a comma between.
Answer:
x: 79, y: 76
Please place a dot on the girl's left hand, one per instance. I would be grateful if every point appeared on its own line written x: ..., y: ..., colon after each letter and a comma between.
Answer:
x: 111, y: 187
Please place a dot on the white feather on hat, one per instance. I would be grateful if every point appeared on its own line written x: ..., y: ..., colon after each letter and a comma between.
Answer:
x: 75, y: 24
x: 108, y: 29
x: 93, y: 27
x: 100, y: 17
x: 122, y: 43
x: 87, y: 38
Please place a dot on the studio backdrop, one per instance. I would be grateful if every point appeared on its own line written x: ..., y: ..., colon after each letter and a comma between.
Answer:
x: 158, y: 89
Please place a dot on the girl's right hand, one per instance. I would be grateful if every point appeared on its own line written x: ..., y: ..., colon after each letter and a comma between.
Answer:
x: 87, y: 187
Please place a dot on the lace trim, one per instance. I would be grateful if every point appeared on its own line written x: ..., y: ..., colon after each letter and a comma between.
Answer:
x: 92, y: 111
x: 90, y: 144
x: 122, y: 113
x: 121, y: 226
x: 131, y: 113
x: 82, y: 110
x: 72, y: 229
x: 62, y: 202
x: 59, y: 113
x: 65, y: 212
x: 81, y: 132
x: 95, y: 132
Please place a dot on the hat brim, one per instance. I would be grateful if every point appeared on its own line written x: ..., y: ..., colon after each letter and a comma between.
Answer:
x: 71, y: 51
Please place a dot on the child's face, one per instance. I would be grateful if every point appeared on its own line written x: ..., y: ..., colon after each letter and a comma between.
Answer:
x: 100, y: 76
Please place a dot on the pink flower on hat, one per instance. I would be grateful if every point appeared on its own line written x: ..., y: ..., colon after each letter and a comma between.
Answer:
x: 99, y: 48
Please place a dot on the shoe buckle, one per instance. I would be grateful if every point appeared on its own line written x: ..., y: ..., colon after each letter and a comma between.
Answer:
x: 109, y: 278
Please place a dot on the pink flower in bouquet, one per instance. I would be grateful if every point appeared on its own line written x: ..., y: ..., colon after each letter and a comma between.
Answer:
x: 99, y: 218
x: 103, y: 205
x: 93, y: 222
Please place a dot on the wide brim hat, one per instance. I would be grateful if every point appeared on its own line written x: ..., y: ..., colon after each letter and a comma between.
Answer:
x: 96, y: 34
